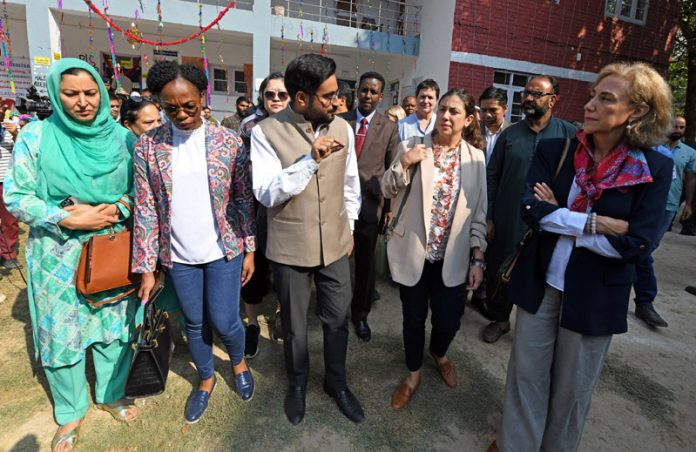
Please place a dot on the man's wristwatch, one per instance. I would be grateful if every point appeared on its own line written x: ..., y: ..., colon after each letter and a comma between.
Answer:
x: 478, y: 263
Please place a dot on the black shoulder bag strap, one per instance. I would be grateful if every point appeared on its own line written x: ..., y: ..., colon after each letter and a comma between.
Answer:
x: 413, y: 172
x: 566, y: 147
x: 509, y: 264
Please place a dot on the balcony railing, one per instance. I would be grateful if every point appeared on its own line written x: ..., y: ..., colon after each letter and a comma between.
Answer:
x: 388, y: 16
x: 247, y: 5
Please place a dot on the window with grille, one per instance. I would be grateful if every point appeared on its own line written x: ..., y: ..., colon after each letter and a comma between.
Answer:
x: 240, y: 86
x: 629, y: 10
x: 222, y: 82
x: 513, y: 83
x: 219, y: 80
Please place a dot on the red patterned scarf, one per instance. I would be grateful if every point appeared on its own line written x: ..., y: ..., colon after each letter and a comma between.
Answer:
x: 622, y: 168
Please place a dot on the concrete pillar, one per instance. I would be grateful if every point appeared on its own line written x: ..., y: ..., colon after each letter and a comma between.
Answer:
x: 43, y: 33
x: 436, y: 25
x: 261, y: 43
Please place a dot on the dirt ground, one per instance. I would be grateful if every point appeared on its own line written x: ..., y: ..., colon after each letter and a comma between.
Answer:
x: 645, y: 400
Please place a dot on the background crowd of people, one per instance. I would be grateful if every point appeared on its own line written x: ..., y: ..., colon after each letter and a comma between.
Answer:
x: 313, y: 175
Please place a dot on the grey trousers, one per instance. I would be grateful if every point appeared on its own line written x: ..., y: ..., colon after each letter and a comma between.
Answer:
x: 294, y: 288
x: 551, y: 376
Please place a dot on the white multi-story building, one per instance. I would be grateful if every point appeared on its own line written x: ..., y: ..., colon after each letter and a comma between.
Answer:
x: 405, y: 40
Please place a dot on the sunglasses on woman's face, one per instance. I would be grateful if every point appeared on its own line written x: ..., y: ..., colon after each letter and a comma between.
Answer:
x: 137, y: 98
x: 271, y: 95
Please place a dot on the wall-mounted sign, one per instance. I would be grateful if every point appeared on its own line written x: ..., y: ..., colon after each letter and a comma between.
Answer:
x: 42, y: 60
x: 21, y: 75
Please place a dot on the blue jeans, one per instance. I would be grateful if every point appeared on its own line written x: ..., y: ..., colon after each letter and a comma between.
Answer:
x: 645, y: 284
x: 208, y: 295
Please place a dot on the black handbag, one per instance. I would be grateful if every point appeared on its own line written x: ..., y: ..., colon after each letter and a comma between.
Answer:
x: 505, y: 271
x: 153, y: 353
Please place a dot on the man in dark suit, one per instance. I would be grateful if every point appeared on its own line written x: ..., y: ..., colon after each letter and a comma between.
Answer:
x: 494, y: 104
x: 375, y: 138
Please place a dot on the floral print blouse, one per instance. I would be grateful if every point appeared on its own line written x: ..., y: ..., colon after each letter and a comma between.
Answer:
x: 446, y: 180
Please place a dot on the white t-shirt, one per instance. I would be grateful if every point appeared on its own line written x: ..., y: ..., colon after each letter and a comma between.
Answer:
x: 195, y: 234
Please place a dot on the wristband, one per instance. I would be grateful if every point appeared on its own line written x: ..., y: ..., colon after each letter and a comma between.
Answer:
x: 480, y: 263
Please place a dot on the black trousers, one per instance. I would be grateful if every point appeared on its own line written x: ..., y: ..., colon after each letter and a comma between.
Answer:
x: 498, y: 307
x: 365, y: 237
x: 258, y: 286
x: 294, y: 286
x: 690, y: 224
x: 447, y: 306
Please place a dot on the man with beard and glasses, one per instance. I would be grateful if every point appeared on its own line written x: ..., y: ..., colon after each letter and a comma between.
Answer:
x: 305, y: 172
x: 375, y: 139
x: 506, y: 173
x: 683, y: 175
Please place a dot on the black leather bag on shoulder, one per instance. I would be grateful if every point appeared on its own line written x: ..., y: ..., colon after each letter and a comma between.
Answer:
x: 505, y: 271
x: 153, y: 353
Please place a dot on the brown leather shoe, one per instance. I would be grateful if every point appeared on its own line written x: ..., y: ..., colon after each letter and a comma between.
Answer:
x: 402, y: 395
x: 446, y: 371
x: 493, y: 447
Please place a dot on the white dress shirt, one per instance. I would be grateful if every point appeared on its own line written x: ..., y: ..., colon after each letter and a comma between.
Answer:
x: 273, y: 185
x: 195, y: 235
x: 358, y: 119
x: 571, y: 226
x: 491, y: 138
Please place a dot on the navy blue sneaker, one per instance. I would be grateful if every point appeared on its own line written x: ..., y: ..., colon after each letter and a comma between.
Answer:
x: 196, y: 405
x: 244, y: 382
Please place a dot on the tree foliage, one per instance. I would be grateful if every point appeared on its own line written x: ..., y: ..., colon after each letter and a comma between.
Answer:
x: 683, y: 66
x: 678, y: 73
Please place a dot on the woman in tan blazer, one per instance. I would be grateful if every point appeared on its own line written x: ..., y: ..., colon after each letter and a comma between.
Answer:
x: 436, y: 247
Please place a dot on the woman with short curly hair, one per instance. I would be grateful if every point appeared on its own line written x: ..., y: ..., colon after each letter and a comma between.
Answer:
x: 194, y: 217
x: 592, y: 222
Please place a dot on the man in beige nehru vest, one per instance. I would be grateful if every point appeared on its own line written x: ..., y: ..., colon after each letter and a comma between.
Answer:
x: 305, y: 172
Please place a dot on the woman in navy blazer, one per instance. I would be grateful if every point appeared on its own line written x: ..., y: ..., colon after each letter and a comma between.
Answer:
x: 572, y: 282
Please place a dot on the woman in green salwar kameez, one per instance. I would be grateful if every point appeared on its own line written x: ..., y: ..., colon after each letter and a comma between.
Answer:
x: 78, y: 155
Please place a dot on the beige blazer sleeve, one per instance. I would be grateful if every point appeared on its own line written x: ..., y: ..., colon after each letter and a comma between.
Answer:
x: 395, y: 178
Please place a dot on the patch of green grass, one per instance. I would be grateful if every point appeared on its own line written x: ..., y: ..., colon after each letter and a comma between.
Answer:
x: 652, y: 398
x: 436, y: 413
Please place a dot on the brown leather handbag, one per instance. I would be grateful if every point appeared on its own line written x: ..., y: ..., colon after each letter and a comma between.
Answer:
x: 105, y: 265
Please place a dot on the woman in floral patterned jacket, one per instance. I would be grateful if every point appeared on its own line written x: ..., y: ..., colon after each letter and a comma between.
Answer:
x: 194, y: 217
x: 436, y: 247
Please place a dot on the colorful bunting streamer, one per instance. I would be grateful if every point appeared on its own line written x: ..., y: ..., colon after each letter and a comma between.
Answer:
x: 90, y: 34
x: 159, y: 43
x: 282, y: 45
x: 112, y: 48
x: 204, y: 55
x: 325, y: 41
